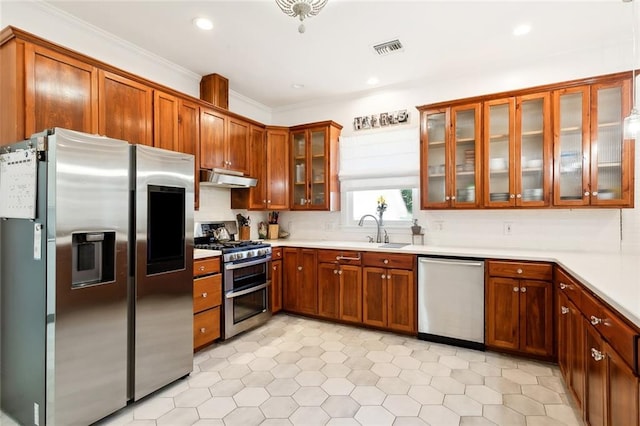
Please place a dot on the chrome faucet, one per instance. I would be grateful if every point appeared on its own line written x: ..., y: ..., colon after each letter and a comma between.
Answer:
x: 378, y: 239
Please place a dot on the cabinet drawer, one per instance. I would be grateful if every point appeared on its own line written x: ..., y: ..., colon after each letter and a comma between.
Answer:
x: 276, y: 253
x: 206, y: 266
x: 206, y: 327
x: 388, y: 260
x: 345, y: 257
x: 621, y: 337
x: 527, y: 270
x: 567, y: 285
x: 207, y: 292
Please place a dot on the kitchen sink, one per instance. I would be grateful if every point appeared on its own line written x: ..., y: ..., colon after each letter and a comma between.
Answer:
x: 393, y: 245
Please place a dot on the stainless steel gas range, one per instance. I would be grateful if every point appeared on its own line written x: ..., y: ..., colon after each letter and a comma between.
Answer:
x: 245, y: 278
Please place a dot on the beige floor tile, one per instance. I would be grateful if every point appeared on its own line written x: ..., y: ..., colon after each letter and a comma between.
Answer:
x: 235, y: 371
x: 179, y: 417
x: 398, y: 349
x: 453, y: 362
x: 332, y: 345
x: 401, y: 405
x: 503, y: 416
x: 337, y: 386
x: 425, y: 355
x: 310, y: 378
x: 336, y: 370
x: 406, y: 362
x: 262, y: 364
x: 467, y: 377
x: 415, y: 377
x: 541, y: 394
x: 426, y: 395
x: 368, y: 395
x: 543, y: 421
x: 363, y: 378
x: 204, y: 379
x: 153, y: 408
x: 463, y: 405
x: 244, y: 416
x: 310, y: 364
x: 358, y: 363
x: 226, y: 388
x: 258, y: 378
x: 192, y: 397
x: 520, y: 377
x: 216, y: 408
x: 374, y: 415
x: 485, y: 369
x: 409, y: 421
x: 251, y: 397
x: 393, y: 385
x: 334, y: 357
x: 285, y: 371
x: 439, y: 415
x: 310, y: 396
x: 523, y: 405
x: 267, y: 352
x: 309, y: 416
x: 282, y: 387
x: 343, y: 421
x: 380, y: 356
x: 435, y: 369
x: 340, y: 406
x: 385, y: 369
x: 563, y: 413
x: 476, y: 421
x: 279, y: 407
x: 447, y: 385
x: 502, y: 385
x: 483, y: 394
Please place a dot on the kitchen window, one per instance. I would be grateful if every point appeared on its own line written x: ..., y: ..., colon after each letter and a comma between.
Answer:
x: 383, y: 164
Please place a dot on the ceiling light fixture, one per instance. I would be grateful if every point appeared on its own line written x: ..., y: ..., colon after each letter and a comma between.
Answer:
x: 301, y: 9
x: 203, y: 23
x: 631, y: 124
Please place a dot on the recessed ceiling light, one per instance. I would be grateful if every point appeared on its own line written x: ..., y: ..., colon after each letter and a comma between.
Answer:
x: 521, y: 30
x: 372, y: 81
x: 297, y: 86
x: 203, y: 23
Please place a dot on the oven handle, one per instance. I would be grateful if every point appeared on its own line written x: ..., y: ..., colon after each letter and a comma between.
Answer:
x: 233, y: 294
x: 231, y: 266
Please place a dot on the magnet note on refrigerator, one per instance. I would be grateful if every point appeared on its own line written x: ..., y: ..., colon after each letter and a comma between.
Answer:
x: 18, y: 184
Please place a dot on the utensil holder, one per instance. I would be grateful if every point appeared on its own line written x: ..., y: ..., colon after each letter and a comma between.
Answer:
x: 273, y: 232
x: 245, y: 233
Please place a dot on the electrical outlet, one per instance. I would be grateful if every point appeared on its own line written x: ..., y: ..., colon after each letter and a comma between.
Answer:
x: 439, y: 225
x: 508, y: 228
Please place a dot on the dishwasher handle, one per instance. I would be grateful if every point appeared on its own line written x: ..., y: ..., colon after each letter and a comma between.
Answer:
x: 450, y: 262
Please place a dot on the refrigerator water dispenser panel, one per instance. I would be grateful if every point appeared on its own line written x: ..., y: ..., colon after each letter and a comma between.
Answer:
x: 92, y: 260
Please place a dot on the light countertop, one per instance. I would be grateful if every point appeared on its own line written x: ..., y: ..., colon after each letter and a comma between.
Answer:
x: 201, y: 253
x: 612, y: 276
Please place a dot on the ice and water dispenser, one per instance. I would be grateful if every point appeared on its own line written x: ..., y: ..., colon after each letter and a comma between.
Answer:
x: 93, y: 255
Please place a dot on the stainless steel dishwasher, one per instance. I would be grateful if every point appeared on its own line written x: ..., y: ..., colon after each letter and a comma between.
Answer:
x: 451, y: 301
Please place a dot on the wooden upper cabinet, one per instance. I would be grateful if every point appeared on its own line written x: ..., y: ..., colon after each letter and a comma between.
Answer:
x: 189, y: 139
x: 237, y: 149
x: 451, y: 150
x: 165, y: 121
x: 213, y: 129
x: 277, y: 175
x: 125, y: 109
x: 594, y: 165
x: 517, y: 151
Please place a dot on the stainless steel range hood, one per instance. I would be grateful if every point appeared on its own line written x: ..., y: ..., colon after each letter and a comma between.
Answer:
x: 226, y: 179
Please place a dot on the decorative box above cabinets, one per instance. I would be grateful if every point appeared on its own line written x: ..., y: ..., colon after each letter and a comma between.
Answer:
x: 314, y: 166
x: 450, y: 157
x: 594, y: 165
x: 517, y: 151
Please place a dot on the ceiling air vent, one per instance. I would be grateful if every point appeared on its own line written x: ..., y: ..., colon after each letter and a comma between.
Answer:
x: 391, y: 46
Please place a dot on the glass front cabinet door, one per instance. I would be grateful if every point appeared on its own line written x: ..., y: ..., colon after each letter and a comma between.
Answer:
x: 450, y: 157
x: 593, y: 163
x: 314, y: 181
x: 517, y: 151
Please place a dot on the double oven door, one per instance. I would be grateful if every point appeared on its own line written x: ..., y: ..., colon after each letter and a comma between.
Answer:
x: 246, y: 295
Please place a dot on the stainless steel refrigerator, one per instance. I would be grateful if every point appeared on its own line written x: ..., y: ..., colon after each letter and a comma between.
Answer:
x: 75, y: 301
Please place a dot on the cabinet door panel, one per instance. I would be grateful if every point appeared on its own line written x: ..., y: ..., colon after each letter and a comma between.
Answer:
x: 466, y: 164
x: 60, y: 92
x: 290, y: 279
x: 165, y: 121
x: 571, y: 146
x: 276, y: 286
x: 503, y: 313
x: 125, y: 109
x: 400, y: 300
x: 536, y: 317
x: 328, y: 290
x: 498, y: 146
x: 595, y: 379
x: 238, y: 150
x: 351, y: 293
x: 577, y: 354
x: 374, y: 296
x: 622, y: 392
x: 278, y: 170
x: 258, y: 160
x: 563, y: 333
x: 212, y: 136
x: 434, y: 157
x: 307, y: 281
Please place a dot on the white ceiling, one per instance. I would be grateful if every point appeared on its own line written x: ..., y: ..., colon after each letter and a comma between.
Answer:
x: 258, y: 48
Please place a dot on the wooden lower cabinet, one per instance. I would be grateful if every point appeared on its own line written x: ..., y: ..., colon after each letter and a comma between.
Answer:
x: 340, y: 291
x: 300, y: 286
x: 570, y: 338
x: 276, y: 280
x: 207, y: 301
x: 389, y: 293
x: 519, y: 308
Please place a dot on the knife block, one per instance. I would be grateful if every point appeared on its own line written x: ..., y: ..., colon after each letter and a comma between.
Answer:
x: 245, y: 233
x: 273, y: 232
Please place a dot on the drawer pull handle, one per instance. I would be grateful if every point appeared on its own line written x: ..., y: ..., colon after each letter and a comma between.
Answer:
x: 203, y: 330
x: 519, y: 270
x: 201, y: 268
x: 523, y: 289
x: 564, y: 310
x: 596, y: 354
x: 348, y: 258
x: 563, y: 286
x: 595, y: 320
x: 204, y: 294
x: 299, y: 268
x: 385, y: 261
x: 516, y: 289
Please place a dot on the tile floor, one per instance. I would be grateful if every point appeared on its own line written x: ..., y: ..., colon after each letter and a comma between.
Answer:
x: 298, y: 371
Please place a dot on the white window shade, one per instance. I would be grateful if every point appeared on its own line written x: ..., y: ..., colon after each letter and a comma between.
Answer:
x: 380, y: 160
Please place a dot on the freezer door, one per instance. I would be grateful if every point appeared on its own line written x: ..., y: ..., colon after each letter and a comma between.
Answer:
x: 87, y: 190
x: 162, y: 298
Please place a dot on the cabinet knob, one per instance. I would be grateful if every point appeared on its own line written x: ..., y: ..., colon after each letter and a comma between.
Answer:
x: 264, y: 201
x: 383, y: 276
x: 299, y: 268
x: 564, y: 310
x: 274, y: 268
x: 447, y: 198
x: 518, y: 195
x: 203, y: 330
x: 453, y: 198
x: 563, y: 286
x: 204, y: 294
x: 596, y: 354
x: 201, y: 268
x: 516, y: 289
x: 519, y: 270
x: 595, y: 320
x: 586, y: 193
x: 335, y: 272
x: 339, y: 272
x: 523, y: 289
x: 269, y: 201
x: 386, y: 261
x: 594, y: 193
x: 512, y: 196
